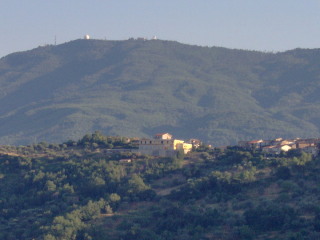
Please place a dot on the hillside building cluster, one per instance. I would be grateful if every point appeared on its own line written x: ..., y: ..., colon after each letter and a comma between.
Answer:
x: 164, y: 145
x: 276, y: 146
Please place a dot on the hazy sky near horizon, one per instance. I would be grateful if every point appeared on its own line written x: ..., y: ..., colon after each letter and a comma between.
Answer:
x: 244, y: 24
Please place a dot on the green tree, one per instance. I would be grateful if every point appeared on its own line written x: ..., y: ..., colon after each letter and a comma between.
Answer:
x: 51, y: 186
x: 114, y: 197
x: 136, y: 184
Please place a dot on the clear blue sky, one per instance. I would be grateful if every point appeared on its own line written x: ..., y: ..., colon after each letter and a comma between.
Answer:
x: 276, y: 25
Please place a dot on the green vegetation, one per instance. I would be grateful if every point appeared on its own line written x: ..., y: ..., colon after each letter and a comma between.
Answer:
x: 80, y: 190
x: 137, y: 88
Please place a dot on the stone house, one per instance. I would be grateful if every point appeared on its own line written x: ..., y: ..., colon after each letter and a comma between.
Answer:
x: 163, y: 145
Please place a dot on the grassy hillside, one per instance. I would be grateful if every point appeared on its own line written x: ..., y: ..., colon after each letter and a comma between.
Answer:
x: 137, y: 88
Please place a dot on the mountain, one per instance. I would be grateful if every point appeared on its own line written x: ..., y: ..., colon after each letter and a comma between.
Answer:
x: 137, y: 88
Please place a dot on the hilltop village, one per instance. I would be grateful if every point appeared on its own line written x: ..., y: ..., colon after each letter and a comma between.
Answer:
x: 164, y: 145
x: 276, y: 146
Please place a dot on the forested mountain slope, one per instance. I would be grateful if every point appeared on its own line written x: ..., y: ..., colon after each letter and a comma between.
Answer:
x: 137, y: 88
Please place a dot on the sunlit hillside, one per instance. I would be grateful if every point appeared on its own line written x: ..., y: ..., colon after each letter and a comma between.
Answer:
x: 136, y: 88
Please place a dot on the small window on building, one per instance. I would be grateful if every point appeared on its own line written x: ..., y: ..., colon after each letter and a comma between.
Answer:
x: 161, y: 142
x: 150, y: 142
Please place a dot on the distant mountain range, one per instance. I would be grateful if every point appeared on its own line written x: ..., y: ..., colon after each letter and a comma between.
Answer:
x: 138, y: 88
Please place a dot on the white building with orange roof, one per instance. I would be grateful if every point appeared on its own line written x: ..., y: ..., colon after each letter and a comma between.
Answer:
x: 165, y: 136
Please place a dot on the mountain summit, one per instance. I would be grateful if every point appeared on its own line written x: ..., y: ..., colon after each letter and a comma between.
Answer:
x: 137, y: 88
